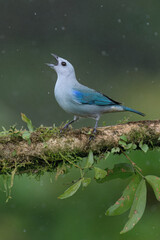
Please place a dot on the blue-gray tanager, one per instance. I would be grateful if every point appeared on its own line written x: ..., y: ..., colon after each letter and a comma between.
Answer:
x: 78, y: 99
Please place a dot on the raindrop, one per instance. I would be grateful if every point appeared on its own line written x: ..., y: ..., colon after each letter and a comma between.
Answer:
x: 156, y: 34
x: 104, y: 53
x: 101, y: 6
x: 136, y: 69
x: 147, y: 23
x: 63, y: 28
x: 65, y: 15
x: 48, y: 93
x: 24, y: 230
x: 119, y: 20
x: 123, y: 36
x: 55, y: 28
x: 35, y: 13
x: 3, y: 51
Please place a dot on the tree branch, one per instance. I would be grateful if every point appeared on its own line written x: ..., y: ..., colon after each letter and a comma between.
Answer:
x: 48, y: 149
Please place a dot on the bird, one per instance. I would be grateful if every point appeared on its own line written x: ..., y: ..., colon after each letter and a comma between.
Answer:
x: 80, y: 100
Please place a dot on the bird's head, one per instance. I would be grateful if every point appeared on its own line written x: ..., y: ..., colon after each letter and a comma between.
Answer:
x: 62, y: 66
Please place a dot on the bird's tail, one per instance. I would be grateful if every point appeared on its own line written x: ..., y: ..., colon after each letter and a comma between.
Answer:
x: 134, y: 111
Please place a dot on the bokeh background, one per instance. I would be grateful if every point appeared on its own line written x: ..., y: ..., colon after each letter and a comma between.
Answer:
x: 114, y: 46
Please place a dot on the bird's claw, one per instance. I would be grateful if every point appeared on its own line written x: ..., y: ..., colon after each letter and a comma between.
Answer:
x: 63, y: 129
x: 92, y: 136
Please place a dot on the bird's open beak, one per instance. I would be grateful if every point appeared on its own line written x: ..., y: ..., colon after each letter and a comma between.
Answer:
x: 55, y: 56
x: 51, y: 65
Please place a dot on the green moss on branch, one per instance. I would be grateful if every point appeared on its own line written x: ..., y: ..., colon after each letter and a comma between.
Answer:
x: 46, y: 149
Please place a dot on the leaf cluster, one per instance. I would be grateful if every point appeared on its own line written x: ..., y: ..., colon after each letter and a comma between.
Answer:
x: 133, y: 197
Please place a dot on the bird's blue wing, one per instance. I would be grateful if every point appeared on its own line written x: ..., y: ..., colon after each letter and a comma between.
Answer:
x: 91, y: 97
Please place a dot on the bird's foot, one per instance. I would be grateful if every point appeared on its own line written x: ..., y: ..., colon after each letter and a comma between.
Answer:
x: 66, y: 126
x: 92, y: 136
x: 63, y: 129
x: 94, y: 131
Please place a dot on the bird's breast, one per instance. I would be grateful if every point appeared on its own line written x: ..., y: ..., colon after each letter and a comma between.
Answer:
x: 63, y: 96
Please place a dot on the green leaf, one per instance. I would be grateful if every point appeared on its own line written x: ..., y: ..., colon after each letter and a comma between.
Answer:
x: 115, y: 150
x: 129, y: 146
x: 121, y: 170
x: 99, y: 173
x: 86, y: 182
x: 4, y: 132
x: 122, y: 143
x: 138, y: 207
x: 71, y: 190
x: 26, y: 135
x: 124, y: 138
x: 144, y: 147
x: 155, y: 184
x: 90, y: 160
x: 139, y: 198
x: 134, y: 146
x: 126, y: 200
x: 28, y: 121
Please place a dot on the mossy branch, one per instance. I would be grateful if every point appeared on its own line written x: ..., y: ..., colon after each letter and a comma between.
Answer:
x: 47, y: 149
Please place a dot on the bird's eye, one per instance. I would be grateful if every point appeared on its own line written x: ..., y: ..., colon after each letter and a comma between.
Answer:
x: 63, y: 64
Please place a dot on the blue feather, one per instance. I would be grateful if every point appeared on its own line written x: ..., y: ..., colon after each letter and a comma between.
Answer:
x: 92, y: 97
x: 134, y: 111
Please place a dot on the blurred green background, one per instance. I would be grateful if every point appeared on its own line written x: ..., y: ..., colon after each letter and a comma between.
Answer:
x: 114, y: 47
